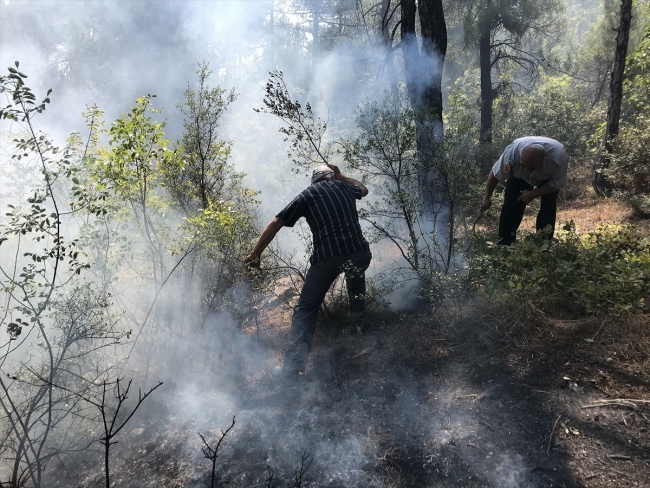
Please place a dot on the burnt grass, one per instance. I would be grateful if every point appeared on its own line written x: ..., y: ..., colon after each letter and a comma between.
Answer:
x: 472, y: 397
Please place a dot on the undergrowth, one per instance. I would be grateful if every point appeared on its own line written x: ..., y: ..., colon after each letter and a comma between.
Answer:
x: 606, y: 271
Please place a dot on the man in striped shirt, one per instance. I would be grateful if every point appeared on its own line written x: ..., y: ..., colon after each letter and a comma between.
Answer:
x: 329, y: 206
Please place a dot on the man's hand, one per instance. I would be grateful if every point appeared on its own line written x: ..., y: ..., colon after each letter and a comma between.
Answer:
x: 252, y: 260
x: 526, y: 196
x: 337, y: 171
x: 485, y: 205
x: 344, y: 179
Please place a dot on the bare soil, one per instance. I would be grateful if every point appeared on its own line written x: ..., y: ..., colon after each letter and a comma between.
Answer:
x: 469, y: 395
x: 471, y: 399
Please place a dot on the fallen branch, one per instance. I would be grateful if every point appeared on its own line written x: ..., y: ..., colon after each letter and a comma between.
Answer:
x: 621, y: 402
x: 550, y: 439
x: 486, y: 424
x: 362, y: 353
x: 638, y: 400
x: 618, y: 456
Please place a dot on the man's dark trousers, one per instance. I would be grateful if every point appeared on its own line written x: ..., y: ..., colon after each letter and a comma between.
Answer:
x: 320, y: 277
x: 512, y: 211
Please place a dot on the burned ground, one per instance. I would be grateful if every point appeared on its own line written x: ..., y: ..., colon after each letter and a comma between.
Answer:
x: 484, y: 401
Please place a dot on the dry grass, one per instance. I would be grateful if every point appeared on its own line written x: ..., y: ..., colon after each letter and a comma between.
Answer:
x: 524, y: 329
x: 589, y: 212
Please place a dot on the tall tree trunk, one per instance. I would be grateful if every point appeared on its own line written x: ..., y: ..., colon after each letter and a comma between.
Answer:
x: 424, y: 69
x: 410, y: 50
x: 384, y: 31
x: 601, y: 183
x: 487, y: 94
x: 434, y: 50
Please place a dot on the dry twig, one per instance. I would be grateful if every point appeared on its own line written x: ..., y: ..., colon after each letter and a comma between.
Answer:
x: 486, y: 424
x: 213, y: 453
x: 618, y: 456
x: 621, y: 402
x: 550, y: 439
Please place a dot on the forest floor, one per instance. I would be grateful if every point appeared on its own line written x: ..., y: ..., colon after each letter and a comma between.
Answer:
x: 468, y: 396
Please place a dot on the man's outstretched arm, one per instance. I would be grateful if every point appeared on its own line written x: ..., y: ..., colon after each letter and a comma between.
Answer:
x: 349, y: 181
x: 265, y: 239
x: 490, y: 185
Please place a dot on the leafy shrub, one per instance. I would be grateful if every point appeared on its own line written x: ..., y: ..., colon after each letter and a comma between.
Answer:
x: 605, y: 271
x: 629, y: 169
x: 558, y: 108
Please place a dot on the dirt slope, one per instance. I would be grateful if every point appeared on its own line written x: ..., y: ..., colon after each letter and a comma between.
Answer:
x: 414, y: 403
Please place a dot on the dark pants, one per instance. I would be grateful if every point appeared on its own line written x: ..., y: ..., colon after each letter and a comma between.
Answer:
x: 512, y: 211
x: 320, y: 277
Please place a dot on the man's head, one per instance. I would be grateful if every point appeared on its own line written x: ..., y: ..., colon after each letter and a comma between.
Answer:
x: 532, y: 157
x: 322, y: 173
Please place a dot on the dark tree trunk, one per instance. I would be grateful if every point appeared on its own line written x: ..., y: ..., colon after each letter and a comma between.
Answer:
x: 601, y: 183
x: 388, y: 42
x: 434, y: 49
x: 487, y: 94
x: 410, y: 51
x: 424, y: 69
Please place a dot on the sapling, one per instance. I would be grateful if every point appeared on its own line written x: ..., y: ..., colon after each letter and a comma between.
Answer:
x: 212, y: 453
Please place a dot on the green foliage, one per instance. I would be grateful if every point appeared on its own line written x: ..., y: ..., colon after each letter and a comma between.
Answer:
x: 388, y: 153
x: 509, y: 17
x: 594, y: 51
x: 41, y: 215
x: 385, y: 153
x: 605, y: 271
x: 53, y: 316
x: 218, y: 210
x: 590, y: 43
x: 629, y: 168
x: 202, y: 175
x: 23, y: 103
x: 301, y: 128
x: 138, y: 148
x: 558, y: 108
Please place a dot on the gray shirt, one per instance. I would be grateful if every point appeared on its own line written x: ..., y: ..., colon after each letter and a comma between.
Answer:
x: 554, y: 168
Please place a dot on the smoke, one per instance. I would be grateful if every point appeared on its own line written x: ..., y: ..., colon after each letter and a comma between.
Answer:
x: 110, y: 53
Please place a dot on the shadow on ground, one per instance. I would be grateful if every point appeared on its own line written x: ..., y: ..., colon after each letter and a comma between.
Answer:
x: 410, y: 403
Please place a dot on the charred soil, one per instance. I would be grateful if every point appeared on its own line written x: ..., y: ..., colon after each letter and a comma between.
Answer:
x: 474, y: 400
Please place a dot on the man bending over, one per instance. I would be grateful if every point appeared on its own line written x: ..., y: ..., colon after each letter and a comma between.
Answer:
x: 329, y: 206
x: 533, y: 167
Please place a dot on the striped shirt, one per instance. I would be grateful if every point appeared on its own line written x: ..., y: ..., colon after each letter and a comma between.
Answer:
x: 331, y: 212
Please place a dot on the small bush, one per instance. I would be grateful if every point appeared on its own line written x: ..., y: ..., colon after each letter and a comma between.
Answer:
x: 630, y: 166
x: 603, y: 272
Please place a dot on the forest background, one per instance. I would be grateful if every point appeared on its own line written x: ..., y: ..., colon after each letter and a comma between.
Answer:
x: 145, y: 144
